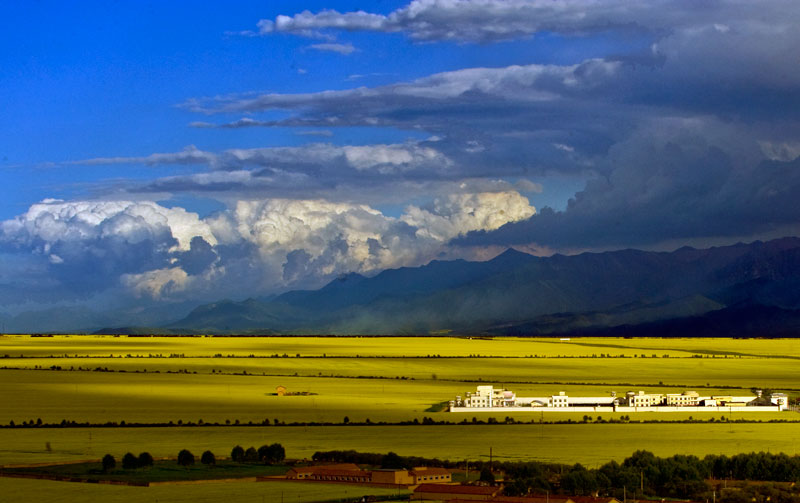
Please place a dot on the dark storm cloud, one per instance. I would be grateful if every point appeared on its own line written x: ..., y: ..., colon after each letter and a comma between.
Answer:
x: 668, y: 190
x: 676, y: 141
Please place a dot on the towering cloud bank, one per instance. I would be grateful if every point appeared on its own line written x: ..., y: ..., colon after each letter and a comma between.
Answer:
x: 258, y: 245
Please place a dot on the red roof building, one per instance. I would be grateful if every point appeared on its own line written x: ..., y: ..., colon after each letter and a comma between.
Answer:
x: 424, y: 475
x: 443, y: 492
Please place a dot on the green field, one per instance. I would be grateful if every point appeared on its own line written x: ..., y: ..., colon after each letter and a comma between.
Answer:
x: 99, y: 397
x: 103, y: 345
x: 378, y: 384
x: 590, y: 444
x: 162, y: 470
x: 240, y: 492
x: 230, y: 379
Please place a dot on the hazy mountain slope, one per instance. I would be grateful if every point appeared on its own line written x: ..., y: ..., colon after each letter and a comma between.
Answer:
x: 354, y: 289
x: 735, y: 321
x: 515, y: 289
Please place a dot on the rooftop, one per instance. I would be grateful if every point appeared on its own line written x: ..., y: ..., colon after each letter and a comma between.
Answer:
x: 445, y: 489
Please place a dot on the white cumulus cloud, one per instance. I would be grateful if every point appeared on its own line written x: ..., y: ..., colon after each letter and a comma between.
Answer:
x: 256, y: 246
x: 344, y: 49
x: 156, y: 283
x: 458, y: 214
x: 51, y: 222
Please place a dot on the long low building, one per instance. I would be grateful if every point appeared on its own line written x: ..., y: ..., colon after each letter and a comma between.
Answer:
x: 352, y: 473
x: 488, y: 398
x: 451, y: 494
x: 437, y: 492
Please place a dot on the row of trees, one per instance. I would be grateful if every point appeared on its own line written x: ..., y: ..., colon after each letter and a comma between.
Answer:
x: 389, y: 460
x: 645, y: 474
x: 269, y: 454
x: 129, y: 461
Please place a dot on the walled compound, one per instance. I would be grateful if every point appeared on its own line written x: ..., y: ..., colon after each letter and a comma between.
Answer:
x: 491, y: 399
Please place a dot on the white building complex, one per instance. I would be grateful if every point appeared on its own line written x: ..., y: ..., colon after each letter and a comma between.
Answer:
x: 491, y: 399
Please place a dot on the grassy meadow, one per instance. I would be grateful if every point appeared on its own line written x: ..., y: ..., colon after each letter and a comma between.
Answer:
x: 103, y: 345
x: 99, y: 397
x: 589, y: 444
x: 240, y: 492
x: 219, y: 379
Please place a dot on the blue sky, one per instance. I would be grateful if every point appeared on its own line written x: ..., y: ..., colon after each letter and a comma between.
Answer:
x: 102, y: 80
x: 243, y: 148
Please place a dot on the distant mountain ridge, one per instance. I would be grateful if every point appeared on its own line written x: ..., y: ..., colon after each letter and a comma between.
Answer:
x: 523, y: 294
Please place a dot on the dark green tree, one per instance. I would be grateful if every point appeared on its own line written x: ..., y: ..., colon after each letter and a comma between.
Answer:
x: 579, y: 481
x: 487, y: 476
x: 145, y: 459
x: 185, y: 458
x: 272, y: 454
x: 109, y: 463
x: 237, y: 454
x: 129, y: 461
x: 251, y: 455
x: 207, y: 458
x: 526, y: 478
x: 516, y: 487
x: 392, y: 460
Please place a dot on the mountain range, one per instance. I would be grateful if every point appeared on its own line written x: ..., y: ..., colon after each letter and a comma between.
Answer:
x: 742, y: 290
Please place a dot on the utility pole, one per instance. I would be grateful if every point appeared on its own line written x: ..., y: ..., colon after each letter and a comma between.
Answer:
x: 490, y: 459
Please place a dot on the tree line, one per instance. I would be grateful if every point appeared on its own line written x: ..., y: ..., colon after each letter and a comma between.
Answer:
x: 267, y: 454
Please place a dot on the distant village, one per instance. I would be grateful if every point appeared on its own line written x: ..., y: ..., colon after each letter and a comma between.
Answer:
x: 427, y: 484
x: 491, y: 399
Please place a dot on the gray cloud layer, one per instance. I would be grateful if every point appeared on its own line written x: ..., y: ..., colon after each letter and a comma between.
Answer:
x: 495, y: 20
x: 676, y: 140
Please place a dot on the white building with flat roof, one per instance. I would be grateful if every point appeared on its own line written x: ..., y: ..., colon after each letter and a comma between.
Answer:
x: 488, y: 398
x: 643, y: 399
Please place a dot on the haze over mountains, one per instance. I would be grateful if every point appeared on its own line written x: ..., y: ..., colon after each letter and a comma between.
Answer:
x: 744, y: 289
x: 739, y: 290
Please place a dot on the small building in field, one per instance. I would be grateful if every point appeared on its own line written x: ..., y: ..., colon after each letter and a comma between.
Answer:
x: 342, y: 472
x: 335, y: 475
x: 422, y: 475
x: 443, y: 492
x: 542, y: 498
x: 280, y: 390
x: 643, y: 399
x: 781, y: 400
x: 349, y: 472
x: 300, y: 473
x: 594, y: 499
x: 488, y: 396
x: 393, y: 477
x: 685, y: 399
x: 560, y: 400
x: 526, y: 499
